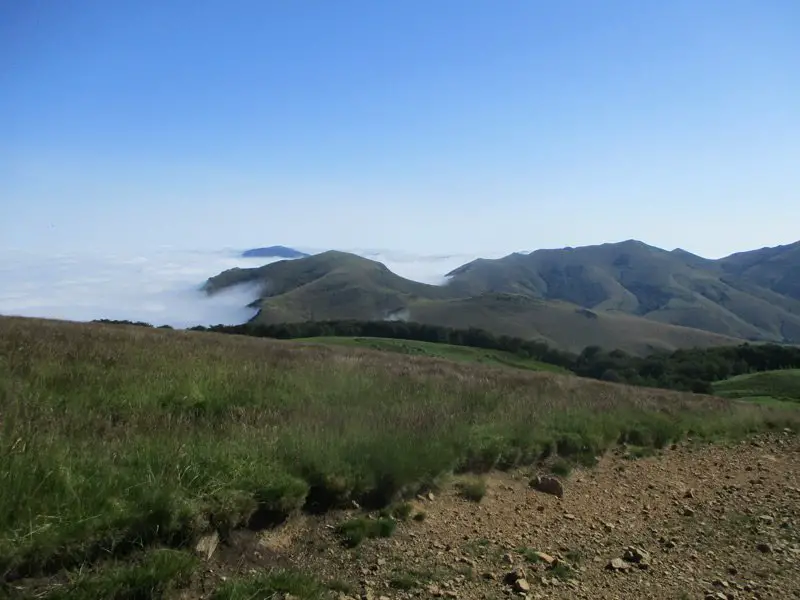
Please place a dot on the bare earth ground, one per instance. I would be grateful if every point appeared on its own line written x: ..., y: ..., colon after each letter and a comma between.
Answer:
x: 706, y: 522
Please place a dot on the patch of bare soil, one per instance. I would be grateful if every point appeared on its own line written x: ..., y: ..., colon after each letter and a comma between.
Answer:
x: 707, y: 522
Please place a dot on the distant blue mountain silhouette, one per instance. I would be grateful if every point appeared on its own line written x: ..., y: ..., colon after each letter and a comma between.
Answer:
x: 273, y: 252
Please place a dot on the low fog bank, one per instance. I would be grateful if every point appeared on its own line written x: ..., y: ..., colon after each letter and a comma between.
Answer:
x: 161, y: 287
x: 429, y: 269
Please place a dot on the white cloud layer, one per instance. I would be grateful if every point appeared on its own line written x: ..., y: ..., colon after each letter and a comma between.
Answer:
x: 160, y: 287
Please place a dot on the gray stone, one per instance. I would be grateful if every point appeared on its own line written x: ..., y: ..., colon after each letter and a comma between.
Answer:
x: 207, y: 545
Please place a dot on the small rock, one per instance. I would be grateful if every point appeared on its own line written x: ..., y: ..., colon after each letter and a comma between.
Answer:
x: 617, y: 564
x: 548, y: 485
x: 688, y: 512
x: 522, y: 585
x: 433, y: 590
x: 545, y: 558
x: 766, y: 519
x: 466, y: 561
x: 764, y: 548
x: 635, y: 555
x: 515, y: 575
x: 207, y: 545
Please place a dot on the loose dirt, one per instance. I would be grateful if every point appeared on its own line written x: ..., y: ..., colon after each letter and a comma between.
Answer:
x: 708, y: 522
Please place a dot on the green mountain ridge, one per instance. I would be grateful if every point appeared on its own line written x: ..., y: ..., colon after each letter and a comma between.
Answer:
x: 629, y: 296
x: 626, y: 295
x: 748, y: 295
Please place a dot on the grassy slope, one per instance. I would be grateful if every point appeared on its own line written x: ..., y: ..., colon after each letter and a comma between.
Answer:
x: 563, y: 325
x: 777, y: 268
x: 766, y: 387
x: 434, y: 350
x: 670, y: 287
x: 116, y: 439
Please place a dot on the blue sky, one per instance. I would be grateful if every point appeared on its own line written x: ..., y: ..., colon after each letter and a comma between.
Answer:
x: 436, y: 126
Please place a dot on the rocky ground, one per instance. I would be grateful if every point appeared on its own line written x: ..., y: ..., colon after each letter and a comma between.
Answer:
x: 716, y: 522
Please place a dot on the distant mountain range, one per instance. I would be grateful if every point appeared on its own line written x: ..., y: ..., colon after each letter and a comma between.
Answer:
x: 626, y: 295
x: 273, y: 252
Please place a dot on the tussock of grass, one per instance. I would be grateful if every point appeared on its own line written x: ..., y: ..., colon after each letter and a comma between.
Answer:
x: 403, y: 581
x: 561, y: 467
x: 529, y: 554
x: 635, y: 452
x: 272, y: 584
x: 401, y: 511
x: 153, y: 575
x: 472, y: 488
x: 355, y: 531
x: 342, y: 587
x: 561, y: 571
x: 118, y: 438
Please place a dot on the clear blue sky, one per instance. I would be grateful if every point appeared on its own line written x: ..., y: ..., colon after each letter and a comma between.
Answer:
x: 430, y: 126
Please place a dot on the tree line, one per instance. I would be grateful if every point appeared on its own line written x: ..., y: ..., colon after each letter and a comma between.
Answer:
x: 686, y: 369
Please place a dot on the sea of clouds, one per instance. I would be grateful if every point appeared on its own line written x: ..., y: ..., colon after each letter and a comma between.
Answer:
x: 161, y: 287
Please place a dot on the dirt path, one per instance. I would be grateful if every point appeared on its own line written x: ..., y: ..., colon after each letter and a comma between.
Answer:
x: 704, y: 522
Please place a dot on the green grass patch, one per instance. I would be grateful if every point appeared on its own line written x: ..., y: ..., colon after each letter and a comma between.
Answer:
x: 529, y: 554
x: 439, y: 350
x: 355, y: 531
x: 472, y: 488
x: 561, y: 467
x: 561, y: 571
x: 155, y: 575
x: 767, y: 387
x: 574, y: 556
x: 272, y: 584
x: 401, y: 511
x: 342, y: 587
x: 636, y: 452
x: 403, y: 581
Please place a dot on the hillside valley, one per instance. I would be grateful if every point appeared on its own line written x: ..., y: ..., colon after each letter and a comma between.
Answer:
x: 626, y: 295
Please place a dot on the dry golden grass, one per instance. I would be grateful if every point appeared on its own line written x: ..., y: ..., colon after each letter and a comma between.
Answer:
x: 115, y: 439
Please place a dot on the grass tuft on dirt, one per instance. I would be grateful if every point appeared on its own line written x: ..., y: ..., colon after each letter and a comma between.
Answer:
x: 155, y: 574
x: 272, y: 584
x: 355, y: 531
x: 472, y: 488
